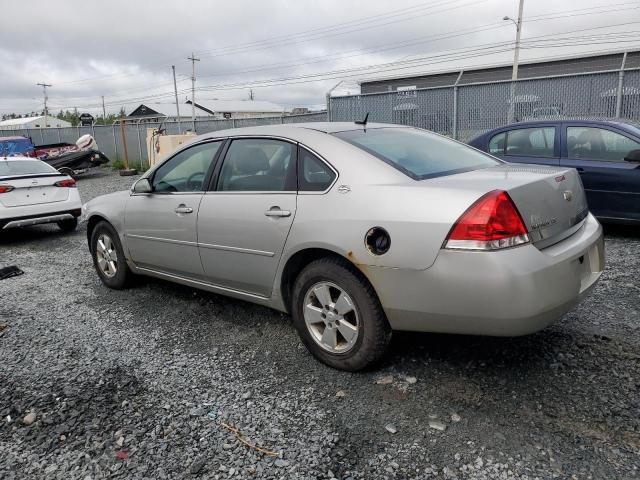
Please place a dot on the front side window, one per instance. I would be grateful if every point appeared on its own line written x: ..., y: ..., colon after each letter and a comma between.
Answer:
x: 313, y: 174
x: 258, y: 165
x: 186, y: 171
x: 418, y: 153
x: 598, y: 144
x: 531, y: 142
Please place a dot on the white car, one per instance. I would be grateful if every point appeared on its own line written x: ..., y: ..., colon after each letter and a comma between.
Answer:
x: 33, y: 192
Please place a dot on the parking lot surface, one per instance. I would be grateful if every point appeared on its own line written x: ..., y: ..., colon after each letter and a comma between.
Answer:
x: 148, y: 382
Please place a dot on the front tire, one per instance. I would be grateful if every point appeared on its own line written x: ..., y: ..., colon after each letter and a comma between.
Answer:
x: 338, y: 315
x: 68, y: 225
x: 108, y: 257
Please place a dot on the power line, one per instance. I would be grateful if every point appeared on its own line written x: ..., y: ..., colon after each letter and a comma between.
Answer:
x: 386, y: 67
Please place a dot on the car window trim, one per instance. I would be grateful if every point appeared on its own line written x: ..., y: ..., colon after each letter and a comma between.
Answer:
x: 215, y: 177
x: 207, y: 175
x: 609, y: 128
x: 322, y: 160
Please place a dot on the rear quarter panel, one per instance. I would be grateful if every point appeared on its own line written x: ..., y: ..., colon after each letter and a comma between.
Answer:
x: 417, y: 218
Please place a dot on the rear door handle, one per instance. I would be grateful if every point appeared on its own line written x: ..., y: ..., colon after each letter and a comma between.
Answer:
x: 183, y: 209
x: 277, y: 212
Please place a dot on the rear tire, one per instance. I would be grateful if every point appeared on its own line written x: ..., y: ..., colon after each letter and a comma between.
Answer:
x: 108, y: 257
x: 338, y: 315
x: 68, y: 225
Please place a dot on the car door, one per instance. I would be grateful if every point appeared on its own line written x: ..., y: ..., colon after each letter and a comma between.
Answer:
x: 536, y: 144
x: 160, y: 227
x: 612, y: 184
x: 245, y: 219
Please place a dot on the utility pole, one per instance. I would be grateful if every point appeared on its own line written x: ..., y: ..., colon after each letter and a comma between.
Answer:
x: 104, y: 112
x: 44, y: 92
x: 516, y: 55
x: 193, y: 89
x: 175, y: 90
x: 251, y: 94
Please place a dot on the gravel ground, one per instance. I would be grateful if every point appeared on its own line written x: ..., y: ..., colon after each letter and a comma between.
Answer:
x: 138, y: 384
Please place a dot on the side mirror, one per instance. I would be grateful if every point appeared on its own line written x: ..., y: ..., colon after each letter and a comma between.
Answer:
x: 142, y: 186
x: 633, y: 156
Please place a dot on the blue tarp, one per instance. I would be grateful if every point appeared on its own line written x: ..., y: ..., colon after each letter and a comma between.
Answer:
x: 15, y: 146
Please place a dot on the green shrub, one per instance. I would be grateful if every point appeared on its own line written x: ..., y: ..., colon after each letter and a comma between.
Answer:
x: 117, y: 164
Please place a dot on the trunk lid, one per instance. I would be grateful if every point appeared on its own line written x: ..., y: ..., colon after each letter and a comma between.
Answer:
x: 32, y: 190
x: 550, y: 200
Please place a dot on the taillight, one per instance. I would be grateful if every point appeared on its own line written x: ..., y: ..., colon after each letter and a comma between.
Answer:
x: 491, y: 223
x: 5, y: 188
x: 69, y: 182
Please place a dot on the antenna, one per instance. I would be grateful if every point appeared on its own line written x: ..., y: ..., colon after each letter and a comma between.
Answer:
x: 363, y: 122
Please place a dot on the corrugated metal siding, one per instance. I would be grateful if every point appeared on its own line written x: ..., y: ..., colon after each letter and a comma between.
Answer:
x: 532, y: 70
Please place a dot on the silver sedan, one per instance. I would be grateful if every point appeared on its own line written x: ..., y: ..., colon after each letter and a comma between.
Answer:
x: 356, y: 231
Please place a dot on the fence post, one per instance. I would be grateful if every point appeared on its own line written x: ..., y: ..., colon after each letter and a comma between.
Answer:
x: 329, y: 107
x: 42, y: 135
x: 115, y: 142
x: 59, y: 137
x: 139, y: 143
x: 233, y: 122
x: 455, y: 106
x: 620, y: 86
x: 124, y: 144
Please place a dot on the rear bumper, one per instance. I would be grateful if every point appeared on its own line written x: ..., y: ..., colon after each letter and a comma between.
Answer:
x: 39, y: 219
x: 505, y: 293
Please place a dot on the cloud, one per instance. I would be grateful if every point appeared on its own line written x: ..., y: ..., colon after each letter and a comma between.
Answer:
x: 124, y: 49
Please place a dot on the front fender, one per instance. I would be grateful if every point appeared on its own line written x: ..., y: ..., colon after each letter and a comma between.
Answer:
x: 110, y: 208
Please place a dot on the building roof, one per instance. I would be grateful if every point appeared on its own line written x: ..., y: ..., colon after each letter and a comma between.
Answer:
x: 239, y: 106
x: 21, y: 121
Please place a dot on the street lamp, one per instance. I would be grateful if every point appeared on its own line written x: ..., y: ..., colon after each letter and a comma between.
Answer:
x: 516, y: 54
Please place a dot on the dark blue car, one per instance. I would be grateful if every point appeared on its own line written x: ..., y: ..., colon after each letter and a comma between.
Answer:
x: 607, y: 155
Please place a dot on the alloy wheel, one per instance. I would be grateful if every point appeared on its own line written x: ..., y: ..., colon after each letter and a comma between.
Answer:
x: 331, y: 317
x: 106, y: 256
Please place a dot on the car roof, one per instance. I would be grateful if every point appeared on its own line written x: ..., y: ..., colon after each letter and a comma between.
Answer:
x: 628, y: 127
x: 289, y: 128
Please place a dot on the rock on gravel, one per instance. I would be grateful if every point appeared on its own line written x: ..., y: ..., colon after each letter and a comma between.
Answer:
x: 29, y: 418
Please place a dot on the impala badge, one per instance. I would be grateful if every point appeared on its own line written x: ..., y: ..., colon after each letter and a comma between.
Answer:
x: 567, y: 195
x: 344, y: 189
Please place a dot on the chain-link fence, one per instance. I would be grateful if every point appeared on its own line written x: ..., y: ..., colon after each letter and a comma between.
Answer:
x: 109, y: 137
x: 465, y: 111
x: 460, y: 111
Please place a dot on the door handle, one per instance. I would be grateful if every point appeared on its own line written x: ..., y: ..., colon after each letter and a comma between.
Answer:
x: 277, y: 212
x: 182, y: 208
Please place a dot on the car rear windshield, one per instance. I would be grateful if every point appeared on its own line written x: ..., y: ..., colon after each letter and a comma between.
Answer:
x: 13, y: 168
x: 418, y: 153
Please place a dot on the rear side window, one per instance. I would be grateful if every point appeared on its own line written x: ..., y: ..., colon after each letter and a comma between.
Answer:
x: 531, y: 142
x: 10, y: 168
x: 598, y: 144
x: 313, y: 174
x: 496, y: 144
x: 258, y: 165
x: 418, y: 153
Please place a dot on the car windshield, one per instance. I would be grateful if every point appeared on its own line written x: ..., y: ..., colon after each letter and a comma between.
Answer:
x: 12, y: 168
x: 418, y: 153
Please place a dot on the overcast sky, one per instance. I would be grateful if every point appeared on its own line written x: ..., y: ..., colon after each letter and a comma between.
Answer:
x: 124, y: 49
